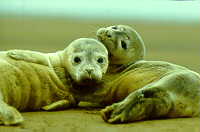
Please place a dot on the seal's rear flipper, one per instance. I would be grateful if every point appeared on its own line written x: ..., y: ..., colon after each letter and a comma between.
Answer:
x: 61, y: 104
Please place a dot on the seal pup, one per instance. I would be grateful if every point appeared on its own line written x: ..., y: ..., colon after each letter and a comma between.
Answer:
x: 154, y: 88
x: 143, y: 89
x: 48, y: 85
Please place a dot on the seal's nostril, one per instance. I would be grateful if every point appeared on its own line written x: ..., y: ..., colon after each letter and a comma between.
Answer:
x: 109, y: 36
x: 101, y: 31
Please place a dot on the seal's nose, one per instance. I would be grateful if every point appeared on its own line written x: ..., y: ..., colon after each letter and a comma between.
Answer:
x: 89, y: 71
x: 101, y: 31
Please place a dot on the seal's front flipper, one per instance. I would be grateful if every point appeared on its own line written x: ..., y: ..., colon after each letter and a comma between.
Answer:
x: 9, y: 115
x: 28, y: 56
x: 85, y: 104
x: 61, y: 104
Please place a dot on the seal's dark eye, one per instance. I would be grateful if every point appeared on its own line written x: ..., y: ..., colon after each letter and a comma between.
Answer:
x: 124, y: 45
x: 100, y: 60
x: 114, y: 27
x: 77, y: 60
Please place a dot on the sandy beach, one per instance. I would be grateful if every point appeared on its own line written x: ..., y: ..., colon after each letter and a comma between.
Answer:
x: 76, y: 120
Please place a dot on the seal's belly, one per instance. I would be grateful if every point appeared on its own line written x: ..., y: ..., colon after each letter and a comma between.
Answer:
x: 25, y: 86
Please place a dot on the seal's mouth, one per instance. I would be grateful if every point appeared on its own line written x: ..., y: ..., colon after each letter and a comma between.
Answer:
x: 110, y: 55
x: 100, y: 38
x: 88, y: 82
x: 85, y: 87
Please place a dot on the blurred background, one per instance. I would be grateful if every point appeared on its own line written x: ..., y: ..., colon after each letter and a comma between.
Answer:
x: 169, y: 28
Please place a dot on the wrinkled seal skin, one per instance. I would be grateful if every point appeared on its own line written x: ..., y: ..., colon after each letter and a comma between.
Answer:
x: 147, y: 89
x: 46, y: 81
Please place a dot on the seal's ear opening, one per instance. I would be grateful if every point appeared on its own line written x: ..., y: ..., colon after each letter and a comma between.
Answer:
x: 123, y: 44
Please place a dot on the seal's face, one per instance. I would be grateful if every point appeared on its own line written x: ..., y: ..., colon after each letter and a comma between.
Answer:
x: 87, y: 60
x: 123, y: 43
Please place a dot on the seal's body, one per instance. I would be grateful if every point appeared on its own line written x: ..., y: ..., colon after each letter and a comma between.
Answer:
x: 154, y: 88
x: 25, y: 85
x: 143, y: 89
x: 29, y: 86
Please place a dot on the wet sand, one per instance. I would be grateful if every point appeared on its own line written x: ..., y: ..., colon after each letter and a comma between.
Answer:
x: 90, y: 120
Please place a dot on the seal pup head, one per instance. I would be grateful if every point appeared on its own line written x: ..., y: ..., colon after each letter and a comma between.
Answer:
x: 124, y: 44
x: 86, y: 60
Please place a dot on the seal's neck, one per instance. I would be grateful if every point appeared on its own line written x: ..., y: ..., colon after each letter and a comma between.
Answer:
x: 61, y: 77
x: 119, y: 62
x: 55, y: 59
x: 117, y: 68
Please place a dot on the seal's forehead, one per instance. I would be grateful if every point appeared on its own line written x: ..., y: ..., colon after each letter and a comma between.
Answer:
x: 88, y: 45
x: 125, y: 28
x: 128, y: 29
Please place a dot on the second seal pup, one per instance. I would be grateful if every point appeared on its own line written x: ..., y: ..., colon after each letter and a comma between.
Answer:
x: 154, y: 88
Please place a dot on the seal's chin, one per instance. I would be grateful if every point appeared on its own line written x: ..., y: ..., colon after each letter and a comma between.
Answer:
x: 88, y: 82
x: 100, y: 38
x: 85, y: 86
